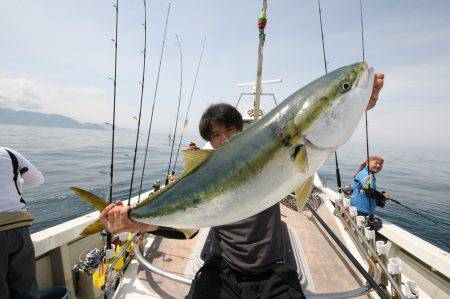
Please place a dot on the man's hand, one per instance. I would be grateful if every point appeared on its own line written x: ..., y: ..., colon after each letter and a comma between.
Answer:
x: 115, y: 219
x: 377, y: 86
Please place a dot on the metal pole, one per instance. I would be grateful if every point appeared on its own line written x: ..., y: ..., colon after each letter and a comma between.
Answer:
x: 111, y: 171
x: 154, y: 101
x: 262, y: 38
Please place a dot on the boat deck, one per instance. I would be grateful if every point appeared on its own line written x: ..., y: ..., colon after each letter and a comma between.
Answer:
x: 327, y: 266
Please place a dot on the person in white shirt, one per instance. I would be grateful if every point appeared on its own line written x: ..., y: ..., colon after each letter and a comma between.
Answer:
x: 17, y: 260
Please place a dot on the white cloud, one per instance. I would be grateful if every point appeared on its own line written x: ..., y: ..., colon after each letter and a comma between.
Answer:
x: 19, y: 94
x: 84, y: 103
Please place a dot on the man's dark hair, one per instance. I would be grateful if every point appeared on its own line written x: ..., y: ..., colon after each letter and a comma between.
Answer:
x: 222, y: 114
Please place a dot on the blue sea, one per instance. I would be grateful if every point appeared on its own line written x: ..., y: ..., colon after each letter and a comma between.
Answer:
x: 420, y: 179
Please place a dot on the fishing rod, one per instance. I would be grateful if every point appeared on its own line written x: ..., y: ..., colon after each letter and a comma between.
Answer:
x: 189, y: 105
x: 428, y: 217
x: 370, y: 194
x: 338, y: 174
x: 178, y: 108
x: 144, y: 53
x: 154, y: 101
x: 367, y: 134
x: 111, y: 172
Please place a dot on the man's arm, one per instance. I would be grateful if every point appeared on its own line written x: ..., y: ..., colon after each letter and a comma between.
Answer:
x: 115, y: 219
x: 31, y: 176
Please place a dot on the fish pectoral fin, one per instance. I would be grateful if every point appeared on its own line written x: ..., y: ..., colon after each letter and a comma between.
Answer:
x: 300, y: 157
x: 302, y: 193
x: 94, y: 227
x: 97, y: 202
x: 193, y: 158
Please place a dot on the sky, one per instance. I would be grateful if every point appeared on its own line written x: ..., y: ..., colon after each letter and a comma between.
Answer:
x: 56, y: 57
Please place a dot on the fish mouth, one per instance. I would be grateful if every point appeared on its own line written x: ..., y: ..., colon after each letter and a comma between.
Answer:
x: 365, y: 81
x: 366, y: 74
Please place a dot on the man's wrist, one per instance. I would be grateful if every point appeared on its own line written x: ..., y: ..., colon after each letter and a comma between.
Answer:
x: 148, y: 227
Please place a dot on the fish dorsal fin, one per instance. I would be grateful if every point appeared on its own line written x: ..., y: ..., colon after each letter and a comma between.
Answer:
x: 193, y: 158
x: 302, y: 193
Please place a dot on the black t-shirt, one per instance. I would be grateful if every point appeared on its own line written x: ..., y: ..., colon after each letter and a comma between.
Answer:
x: 251, y: 245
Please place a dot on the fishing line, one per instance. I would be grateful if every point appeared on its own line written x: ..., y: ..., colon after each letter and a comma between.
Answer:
x: 189, y: 105
x: 154, y: 100
x: 178, y: 108
x: 111, y: 172
x: 338, y: 174
x: 144, y: 53
x: 428, y: 217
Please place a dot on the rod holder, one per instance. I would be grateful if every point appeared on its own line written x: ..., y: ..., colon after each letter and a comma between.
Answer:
x: 346, y: 202
x: 411, y: 291
x: 382, y: 250
x: 353, y: 212
x: 360, y: 222
x: 123, y: 237
x: 370, y: 234
x: 370, y: 237
x: 109, y: 253
x: 338, y: 204
x: 340, y: 199
x: 394, y: 267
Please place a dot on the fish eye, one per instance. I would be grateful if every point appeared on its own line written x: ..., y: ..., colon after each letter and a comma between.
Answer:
x: 345, y: 86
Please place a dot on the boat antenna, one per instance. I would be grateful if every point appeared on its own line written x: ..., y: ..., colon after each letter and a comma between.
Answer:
x: 189, y: 105
x: 178, y: 108
x: 144, y: 54
x: 111, y: 171
x: 325, y: 63
x: 154, y: 100
x: 262, y: 21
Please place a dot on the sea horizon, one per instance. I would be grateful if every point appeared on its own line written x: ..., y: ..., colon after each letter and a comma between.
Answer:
x: 417, y: 177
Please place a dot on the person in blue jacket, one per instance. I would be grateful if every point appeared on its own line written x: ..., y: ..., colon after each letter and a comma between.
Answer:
x: 365, y: 196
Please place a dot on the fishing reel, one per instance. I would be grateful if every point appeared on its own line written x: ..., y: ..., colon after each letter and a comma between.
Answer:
x: 374, y: 223
x: 347, y: 190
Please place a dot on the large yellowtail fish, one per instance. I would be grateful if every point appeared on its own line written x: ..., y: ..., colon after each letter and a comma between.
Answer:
x: 257, y: 168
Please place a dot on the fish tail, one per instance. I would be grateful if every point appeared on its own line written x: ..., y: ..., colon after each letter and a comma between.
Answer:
x: 94, y: 227
x: 96, y: 201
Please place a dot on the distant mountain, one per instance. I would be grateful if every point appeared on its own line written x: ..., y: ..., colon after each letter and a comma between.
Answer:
x: 29, y: 118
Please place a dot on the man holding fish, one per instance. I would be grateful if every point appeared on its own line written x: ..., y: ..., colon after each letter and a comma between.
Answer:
x: 247, y: 257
